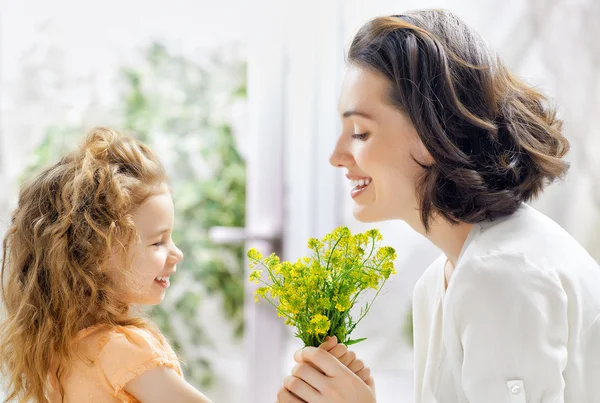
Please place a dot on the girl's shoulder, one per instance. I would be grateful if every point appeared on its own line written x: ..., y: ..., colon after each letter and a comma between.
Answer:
x: 123, y: 340
x: 121, y: 353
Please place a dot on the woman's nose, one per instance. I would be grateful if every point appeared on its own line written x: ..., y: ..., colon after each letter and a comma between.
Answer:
x: 340, y: 157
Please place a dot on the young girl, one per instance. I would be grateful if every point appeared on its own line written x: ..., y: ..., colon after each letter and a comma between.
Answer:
x: 438, y: 133
x: 90, y: 237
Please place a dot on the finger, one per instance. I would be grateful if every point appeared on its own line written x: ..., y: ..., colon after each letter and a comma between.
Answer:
x: 371, y: 383
x: 356, y: 366
x: 330, y: 342
x: 348, y: 358
x: 324, y: 361
x: 338, y: 350
x: 298, y: 358
x: 300, y: 388
x: 364, y: 374
x: 313, y: 377
x: 285, y: 396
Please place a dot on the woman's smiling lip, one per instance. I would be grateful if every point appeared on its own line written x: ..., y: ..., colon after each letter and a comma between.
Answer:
x: 359, y: 184
x: 357, y: 190
x: 357, y: 177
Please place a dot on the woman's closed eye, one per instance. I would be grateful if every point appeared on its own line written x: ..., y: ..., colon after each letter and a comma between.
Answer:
x: 360, y: 136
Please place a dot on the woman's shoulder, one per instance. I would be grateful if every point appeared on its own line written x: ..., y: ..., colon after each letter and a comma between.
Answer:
x: 529, y: 238
x: 508, y: 265
x: 429, y: 282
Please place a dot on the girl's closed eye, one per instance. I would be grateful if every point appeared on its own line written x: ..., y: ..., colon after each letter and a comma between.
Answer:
x: 157, y: 244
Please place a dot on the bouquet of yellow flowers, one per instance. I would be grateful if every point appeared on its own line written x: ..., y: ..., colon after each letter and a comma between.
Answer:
x: 316, y: 294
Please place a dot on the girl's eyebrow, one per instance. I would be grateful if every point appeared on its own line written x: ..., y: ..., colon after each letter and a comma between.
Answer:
x: 159, y: 232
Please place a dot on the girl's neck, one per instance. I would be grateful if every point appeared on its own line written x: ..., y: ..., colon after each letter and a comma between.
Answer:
x: 87, y: 322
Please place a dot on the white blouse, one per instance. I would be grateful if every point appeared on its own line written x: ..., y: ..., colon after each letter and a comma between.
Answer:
x: 519, y: 321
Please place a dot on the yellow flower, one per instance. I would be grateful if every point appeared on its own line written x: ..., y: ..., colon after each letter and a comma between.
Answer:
x: 261, y: 292
x: 255, y: 276
x: 313, y: 243
x: 320, y: 324
x: 318, y: 292
x: 253, y: 254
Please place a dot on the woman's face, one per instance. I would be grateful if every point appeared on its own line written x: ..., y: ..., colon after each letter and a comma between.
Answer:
x: 376, y: 147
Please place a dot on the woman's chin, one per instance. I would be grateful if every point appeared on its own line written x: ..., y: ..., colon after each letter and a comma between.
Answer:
x: 367, y: 214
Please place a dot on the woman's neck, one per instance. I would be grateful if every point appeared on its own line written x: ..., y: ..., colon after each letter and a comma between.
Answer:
x: 448, y: 237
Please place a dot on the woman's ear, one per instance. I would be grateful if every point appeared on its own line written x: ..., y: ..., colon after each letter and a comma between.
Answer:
x: 421, y: 154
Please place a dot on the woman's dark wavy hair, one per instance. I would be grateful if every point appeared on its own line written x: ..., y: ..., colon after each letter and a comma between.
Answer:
x: 495, y: 141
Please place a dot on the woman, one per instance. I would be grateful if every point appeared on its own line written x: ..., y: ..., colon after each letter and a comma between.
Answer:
x: 438, y: 133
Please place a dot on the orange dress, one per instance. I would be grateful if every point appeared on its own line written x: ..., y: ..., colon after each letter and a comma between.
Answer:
x: 105, y: 359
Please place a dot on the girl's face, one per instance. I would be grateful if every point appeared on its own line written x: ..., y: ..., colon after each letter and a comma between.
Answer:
x: 376, y: 147
x: 155, y: 255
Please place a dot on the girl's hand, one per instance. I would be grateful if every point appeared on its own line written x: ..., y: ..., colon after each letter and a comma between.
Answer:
x: 321, y: 378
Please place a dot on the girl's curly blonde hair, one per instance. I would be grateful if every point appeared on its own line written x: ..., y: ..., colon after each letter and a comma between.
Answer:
x: 58, y: 275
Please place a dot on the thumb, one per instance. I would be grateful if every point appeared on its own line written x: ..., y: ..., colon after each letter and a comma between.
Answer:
x: 329, y: 343
x: 324, y: 362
